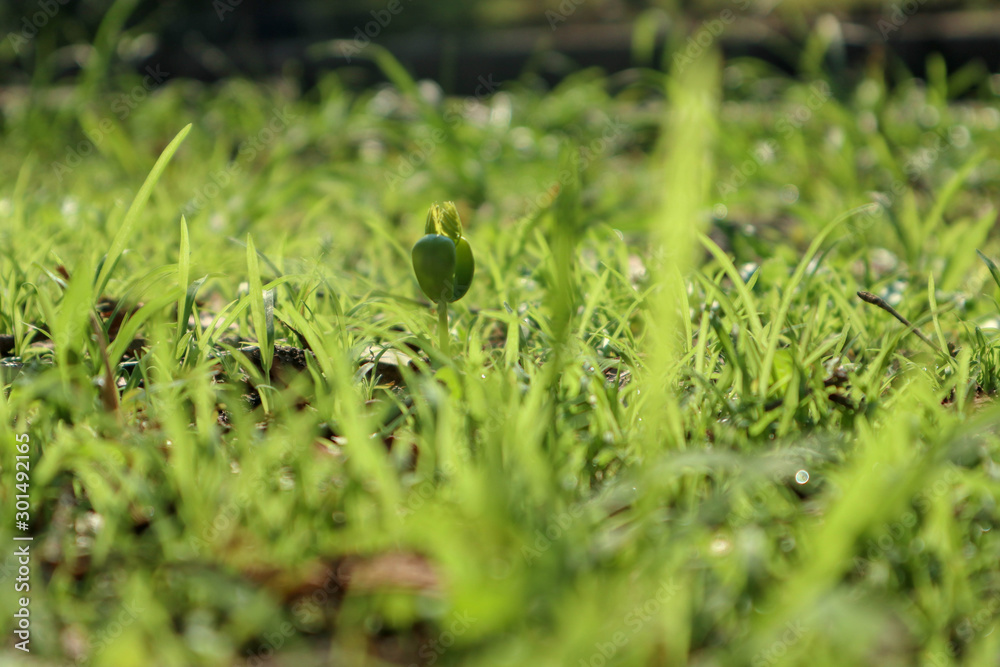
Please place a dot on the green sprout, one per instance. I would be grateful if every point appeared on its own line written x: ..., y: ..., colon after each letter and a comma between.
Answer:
x: 443, y: 262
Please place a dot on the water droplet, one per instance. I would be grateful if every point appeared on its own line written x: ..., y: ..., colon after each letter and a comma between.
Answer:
x: 928, y: 116
x: 789, y: 194
x: 802, y: 476
x: 720, y: 546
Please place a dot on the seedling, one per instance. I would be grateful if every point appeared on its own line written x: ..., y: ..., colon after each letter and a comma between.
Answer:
x: 443, y: 262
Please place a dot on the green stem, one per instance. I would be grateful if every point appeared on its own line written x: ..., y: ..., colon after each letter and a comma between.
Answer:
x: 443, y: 327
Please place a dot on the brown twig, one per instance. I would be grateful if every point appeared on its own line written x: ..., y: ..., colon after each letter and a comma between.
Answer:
x: 881, y: 303
x: 109, y: 390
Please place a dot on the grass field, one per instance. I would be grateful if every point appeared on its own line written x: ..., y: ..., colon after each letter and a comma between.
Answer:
x: 667, y: 430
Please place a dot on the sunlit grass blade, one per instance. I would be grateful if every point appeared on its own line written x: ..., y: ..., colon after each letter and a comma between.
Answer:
x: 690, y: 132
x: 132, y: 215
x: 749, y: 303
x: 260, y: 313
x: 131, y: 325
x: 991, y: 265
x: 790, y: 289
x: 70, y: 328
x: 183, y: 277
x: 950, y: 189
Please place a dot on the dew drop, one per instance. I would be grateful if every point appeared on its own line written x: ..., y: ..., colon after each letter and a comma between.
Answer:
x: 802, y: 476
x: 789, y: 194
x: 720, y: 546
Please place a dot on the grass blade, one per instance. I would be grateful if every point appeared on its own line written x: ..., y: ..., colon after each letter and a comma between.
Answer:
x: 778, y: 324
x: 260, y: 314
x: 125, y: 231
x: 994, y: 271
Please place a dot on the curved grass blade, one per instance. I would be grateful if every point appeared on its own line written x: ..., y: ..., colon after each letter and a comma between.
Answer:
x: 261, y: 309
x: 125, y: 231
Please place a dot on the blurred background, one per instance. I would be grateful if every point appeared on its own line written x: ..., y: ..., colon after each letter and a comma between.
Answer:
x: 292, y: 139
x: 454, y: 41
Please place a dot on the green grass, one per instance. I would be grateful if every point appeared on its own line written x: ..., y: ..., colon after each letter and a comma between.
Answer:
x: 667, y: 431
